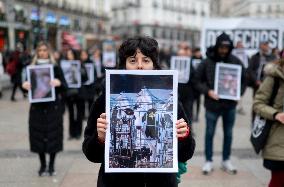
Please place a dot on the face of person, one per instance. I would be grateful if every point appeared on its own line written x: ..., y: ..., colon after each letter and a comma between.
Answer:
x: 223, y: 51
x: 139, y: 62
x: 70, y: 55
x: 42, y: 52
x: 264, y: 47
x: 84, y: 55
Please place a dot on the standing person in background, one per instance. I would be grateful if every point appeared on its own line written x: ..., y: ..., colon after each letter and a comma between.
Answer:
x: 16, y: 77
x: 185, y: 90
x: 196, y: 94
x: 74, y: 103
x: 97, y: 59
x: 46, y: 119
x: 204, y: 81
x: 1, y: 71
x: 256, y: 65
x: 87, y: 92
x: 240, y: 52
x: 273, y: 151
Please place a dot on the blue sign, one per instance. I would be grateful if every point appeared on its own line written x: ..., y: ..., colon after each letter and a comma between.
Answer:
x: 50, y: 17
x: 64, y: 20
x: 34, y: 15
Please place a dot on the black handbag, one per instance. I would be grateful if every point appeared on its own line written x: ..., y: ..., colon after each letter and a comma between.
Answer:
x: 261, y: 126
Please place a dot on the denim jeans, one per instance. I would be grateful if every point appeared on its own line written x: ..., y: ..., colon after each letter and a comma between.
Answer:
x: 228, y: 117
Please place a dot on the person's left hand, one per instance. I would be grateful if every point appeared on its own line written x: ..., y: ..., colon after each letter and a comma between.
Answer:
x: 182, y: 128
x: 55, y: 83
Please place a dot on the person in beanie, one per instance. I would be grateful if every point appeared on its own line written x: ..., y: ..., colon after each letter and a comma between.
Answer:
x: 139, y: 53
x: 215, y: 107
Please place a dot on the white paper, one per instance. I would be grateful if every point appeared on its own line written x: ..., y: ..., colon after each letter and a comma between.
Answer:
x: 90, y: 72
x: 72, y: 72
x: 228, y: 81
x: 39, y: 76
x: 141, y: 107
x: 182, y: 64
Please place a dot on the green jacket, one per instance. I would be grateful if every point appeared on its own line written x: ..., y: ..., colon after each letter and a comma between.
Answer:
x: 274, y: 148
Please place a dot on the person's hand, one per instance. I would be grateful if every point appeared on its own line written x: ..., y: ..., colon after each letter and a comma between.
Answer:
x: 26, y: 85
x: 101, y: 127
x: 55, y: 83
x: 213, y: 95
x: 280, y: 117
x: 258, y: 82
x: 182, y: 128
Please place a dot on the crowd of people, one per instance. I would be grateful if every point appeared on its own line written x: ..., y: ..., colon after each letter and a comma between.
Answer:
x: 142, y: 53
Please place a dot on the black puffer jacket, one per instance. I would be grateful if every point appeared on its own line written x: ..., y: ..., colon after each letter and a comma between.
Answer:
x: 94, y: 151
x: 205, y: 75
x: 46, y: 121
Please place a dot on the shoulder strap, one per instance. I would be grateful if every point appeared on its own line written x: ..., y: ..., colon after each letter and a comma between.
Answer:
x: 274, y: 91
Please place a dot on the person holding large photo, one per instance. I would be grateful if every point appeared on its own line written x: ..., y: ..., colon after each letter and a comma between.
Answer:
x: 46, y: 118
x: 273, y: 151
x: 75, y: 103
x: 215, y: 107
x: 140, y: 53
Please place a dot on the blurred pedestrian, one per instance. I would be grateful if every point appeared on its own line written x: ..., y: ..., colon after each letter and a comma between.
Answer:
x: 195, y: 61
x: 204, y: 81
x: 132, y: 56
x: 87, y: 91
x: 74, y: 102
x: 16, y: 71
x: 273, y: 151
x: 240, y: 52
x: 46, y: 118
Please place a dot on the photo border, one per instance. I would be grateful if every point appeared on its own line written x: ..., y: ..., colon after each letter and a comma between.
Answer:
x: 239, y: 74
x: 28, y: 69
x: 174, y: 67
x: 79, y: 84
x: 174, y: 73
x: 92, y: 76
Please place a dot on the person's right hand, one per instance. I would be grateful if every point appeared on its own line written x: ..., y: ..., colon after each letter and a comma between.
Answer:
x: 26, y: 85
x: 280, y: 117
x: 213, y: 95
x: 101, y: 127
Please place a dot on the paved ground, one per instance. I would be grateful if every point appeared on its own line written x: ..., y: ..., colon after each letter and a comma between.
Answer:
x: 18, y: 167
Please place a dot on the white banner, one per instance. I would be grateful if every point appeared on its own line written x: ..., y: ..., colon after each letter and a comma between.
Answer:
x: 251, y: 31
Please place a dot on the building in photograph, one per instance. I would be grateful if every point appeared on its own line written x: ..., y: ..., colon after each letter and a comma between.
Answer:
x: 169, y: 21
x: 79, y: 24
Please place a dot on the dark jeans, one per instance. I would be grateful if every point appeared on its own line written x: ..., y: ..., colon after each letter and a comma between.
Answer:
x: 228, y: 117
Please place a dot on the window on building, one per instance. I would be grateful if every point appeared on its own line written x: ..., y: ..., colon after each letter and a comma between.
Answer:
x: 154, y: 32
x: 269, y: 9
x: 155, y: 4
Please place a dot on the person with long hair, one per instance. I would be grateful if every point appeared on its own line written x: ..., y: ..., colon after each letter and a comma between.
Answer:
x: 46, y: 118
x: 139, y: 53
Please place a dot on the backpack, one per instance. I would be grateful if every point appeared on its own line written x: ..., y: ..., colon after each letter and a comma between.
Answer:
x: 11, y: 67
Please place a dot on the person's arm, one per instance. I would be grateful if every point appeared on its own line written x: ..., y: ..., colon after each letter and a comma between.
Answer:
x: 262, y: 97
x: 186, y: 145
x: 92, y: 147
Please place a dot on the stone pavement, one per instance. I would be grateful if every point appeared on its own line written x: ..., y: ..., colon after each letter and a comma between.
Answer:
x: 18, y: 166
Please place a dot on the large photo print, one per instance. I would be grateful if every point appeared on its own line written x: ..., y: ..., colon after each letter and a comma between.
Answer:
x: 39, y: 76
x: 228, y: 81
x: 182, y: 64
x: 141, y: 107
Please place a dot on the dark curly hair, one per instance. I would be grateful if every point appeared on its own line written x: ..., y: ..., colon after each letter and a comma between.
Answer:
x: 148, y: 46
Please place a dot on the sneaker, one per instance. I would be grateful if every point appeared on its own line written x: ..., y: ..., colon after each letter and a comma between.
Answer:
x: 228, y: 167
x: 51, y: 171
x: 42, y: 171
x: 207, y: 168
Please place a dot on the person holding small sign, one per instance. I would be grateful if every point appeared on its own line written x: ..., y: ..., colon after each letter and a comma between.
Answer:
x: 140, y: 53
x: 46, y: 118
x: 204, y: 80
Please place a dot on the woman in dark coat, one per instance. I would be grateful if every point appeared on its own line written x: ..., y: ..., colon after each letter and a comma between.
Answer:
x: 46, y: 118
x: 141, y: 54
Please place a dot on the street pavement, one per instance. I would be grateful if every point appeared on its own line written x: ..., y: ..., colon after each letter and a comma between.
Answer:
x: 18, y: 166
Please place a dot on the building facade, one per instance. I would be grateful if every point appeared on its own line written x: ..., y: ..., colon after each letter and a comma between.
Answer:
x: 60, y: 22
x: 169, y: 21
x: 248, y: 8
